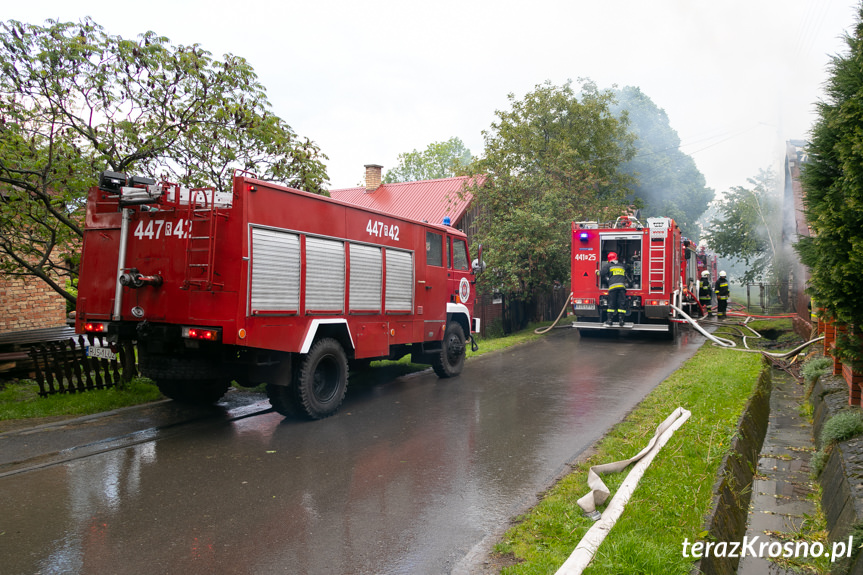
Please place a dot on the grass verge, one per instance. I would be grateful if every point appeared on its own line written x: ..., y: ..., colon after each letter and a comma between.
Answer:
x: 20, y: 400
x: 675, y: 493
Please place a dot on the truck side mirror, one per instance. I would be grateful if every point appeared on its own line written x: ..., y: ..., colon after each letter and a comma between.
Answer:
x: 478, y: 266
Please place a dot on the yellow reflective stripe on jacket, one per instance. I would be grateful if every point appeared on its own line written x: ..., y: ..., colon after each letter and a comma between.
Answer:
x: 617, y: 275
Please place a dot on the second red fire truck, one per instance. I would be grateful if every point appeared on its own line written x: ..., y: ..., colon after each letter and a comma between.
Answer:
x: 656, y: 258
x: 267, y: 284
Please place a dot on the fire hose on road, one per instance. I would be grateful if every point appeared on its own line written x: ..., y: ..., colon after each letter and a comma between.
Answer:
x: 720, y: 341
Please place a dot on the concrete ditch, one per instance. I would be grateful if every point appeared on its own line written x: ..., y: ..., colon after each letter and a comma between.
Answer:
x: 841, y: 480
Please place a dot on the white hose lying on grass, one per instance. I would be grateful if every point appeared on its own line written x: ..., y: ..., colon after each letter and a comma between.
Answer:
x: 721, y: 341
x: 586, y: 549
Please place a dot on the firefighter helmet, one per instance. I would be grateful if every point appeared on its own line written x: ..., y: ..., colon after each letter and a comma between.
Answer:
x: 612, y: 256
x: 722, y: 274
x: 705, y: 274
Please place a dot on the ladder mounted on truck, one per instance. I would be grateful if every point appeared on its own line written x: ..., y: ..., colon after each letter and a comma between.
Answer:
x: 656, y: 256
x: 203, y: 216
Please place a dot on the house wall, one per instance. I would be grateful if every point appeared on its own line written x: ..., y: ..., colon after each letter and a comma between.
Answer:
x: 28, y: 303
x: 795, y: 226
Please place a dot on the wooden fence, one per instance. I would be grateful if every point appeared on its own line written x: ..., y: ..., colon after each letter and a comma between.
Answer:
x: 64, y: 366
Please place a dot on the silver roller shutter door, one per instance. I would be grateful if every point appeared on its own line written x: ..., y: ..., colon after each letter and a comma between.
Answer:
x: 400, y: 278
x: 325, y: 275
x: 365, y: 282
x: 275, y: 271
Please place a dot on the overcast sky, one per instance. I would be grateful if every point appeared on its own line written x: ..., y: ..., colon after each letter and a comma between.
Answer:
x: 369, y: 80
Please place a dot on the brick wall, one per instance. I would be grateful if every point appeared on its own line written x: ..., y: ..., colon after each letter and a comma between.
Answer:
x: 28, y: 303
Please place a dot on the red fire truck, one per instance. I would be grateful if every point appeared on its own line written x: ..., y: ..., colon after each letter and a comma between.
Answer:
x: 655, y: 256
x: 267, y: 284
x: 705, y: 260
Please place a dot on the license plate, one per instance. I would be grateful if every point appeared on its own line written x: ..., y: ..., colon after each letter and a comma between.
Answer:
x: 100, y: 352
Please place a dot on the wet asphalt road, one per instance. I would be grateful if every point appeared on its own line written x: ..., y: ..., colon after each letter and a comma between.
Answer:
x: 414, y: 475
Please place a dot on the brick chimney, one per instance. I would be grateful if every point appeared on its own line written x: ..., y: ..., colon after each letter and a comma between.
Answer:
x: 373, y: 177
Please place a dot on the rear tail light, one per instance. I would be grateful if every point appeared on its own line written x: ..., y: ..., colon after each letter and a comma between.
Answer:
x: 95, y: 328
x: 583, y: 300
x: 657, y: 302
x: 202, y: 333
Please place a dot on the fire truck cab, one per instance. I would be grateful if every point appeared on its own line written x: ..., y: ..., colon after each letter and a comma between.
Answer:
x: 268, y: 284
x: 652, y: 253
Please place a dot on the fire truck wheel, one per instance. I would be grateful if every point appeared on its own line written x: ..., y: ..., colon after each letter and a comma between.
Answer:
x: 322, y: 379
x: 188, y: 380
x: 284, y: 400
x: 171, y: 388
x: 672, y: 331
x: 450, y: 361
x: 202, y: 392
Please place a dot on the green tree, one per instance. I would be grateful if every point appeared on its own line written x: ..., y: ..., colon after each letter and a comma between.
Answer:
x: 552, y: 158
x: 75, y: 100
x: 749, y: 228
x: 667, y: 181
x: 833, y: 184
x: 438, y: 160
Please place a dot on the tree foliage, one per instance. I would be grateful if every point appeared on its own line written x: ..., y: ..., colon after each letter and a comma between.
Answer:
x: 438, y: 160
x: 833, y: 185
x: 75, y: 100
x: 551, y: 158
x: 749, y: 228
x: 667, y: 181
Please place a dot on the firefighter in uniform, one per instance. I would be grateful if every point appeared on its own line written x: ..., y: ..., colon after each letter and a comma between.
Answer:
x: 722, y: 293
x: 614, y: 274
x: 705, y: 292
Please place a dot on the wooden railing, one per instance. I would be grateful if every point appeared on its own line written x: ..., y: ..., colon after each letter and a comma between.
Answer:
x: 64, y: 366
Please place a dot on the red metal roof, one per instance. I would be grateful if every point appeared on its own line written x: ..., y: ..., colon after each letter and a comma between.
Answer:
x: 428, y: 200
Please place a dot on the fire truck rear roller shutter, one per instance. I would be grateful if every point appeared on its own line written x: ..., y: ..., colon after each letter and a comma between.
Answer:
x: 365, y: 280
x: 325, y: 275
x: 275, y: 270
x: 400, y: 278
